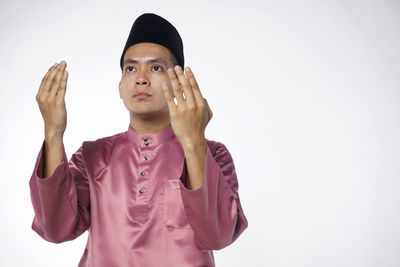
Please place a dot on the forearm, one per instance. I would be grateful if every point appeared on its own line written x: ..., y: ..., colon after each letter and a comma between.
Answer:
x: 195, y: 156
x: 61, y: 207
x: 214, y: 210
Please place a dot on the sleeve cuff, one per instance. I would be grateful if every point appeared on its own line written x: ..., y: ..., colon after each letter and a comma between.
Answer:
x: 39, y: 167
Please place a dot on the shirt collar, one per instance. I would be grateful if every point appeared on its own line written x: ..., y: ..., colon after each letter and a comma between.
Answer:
x: 153, y: 139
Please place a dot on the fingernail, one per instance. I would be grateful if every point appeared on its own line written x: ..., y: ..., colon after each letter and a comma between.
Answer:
x: 188, y: 69
x: 170, y: 71
x: 177, y: 67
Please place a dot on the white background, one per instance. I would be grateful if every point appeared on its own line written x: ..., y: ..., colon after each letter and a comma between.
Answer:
x: 305, y: 96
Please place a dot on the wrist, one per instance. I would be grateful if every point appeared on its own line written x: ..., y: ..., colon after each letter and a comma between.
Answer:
x: 53, y: 138
x: 197, y: 146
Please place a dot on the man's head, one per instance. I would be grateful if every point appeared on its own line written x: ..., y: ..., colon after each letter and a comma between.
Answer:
x: 153, y: 46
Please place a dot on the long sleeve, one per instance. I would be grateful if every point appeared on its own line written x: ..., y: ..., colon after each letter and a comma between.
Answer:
x: 214, y: 210
x: 61, y: 202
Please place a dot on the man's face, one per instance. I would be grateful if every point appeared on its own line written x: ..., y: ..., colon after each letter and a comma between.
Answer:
x: 144, y: 69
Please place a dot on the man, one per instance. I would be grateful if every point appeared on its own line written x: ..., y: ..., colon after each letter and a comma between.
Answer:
x: 158, y: 194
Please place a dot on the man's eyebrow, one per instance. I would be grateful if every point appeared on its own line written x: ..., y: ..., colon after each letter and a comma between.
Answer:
x: 152, y: 60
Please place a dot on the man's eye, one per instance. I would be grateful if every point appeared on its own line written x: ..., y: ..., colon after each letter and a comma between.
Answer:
x: 157, y: 68
x: 129, y: 69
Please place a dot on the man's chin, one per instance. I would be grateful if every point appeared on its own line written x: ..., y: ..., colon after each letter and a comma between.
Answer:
x: 146, y: 113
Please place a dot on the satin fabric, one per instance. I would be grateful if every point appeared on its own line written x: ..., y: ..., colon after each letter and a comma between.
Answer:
x: 130, y: 191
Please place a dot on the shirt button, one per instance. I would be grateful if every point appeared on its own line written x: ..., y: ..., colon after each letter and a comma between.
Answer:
x: 145, y: 157
x: 146, y: 143
x: 141, y: 191
x: 142, y: 173
x: 145, y: 138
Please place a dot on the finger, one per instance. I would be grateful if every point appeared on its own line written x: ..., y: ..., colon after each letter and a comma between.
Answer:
x: 59, y: 75
x: 50, y: 79
x: 170, y: 99
x: 175, y: 86
x: 41, y: 88
x: 187, y: 89
x: 63, y: 86
x: 195, y: 87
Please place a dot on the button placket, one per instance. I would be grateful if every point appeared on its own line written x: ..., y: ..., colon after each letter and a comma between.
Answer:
x: 147, y: 151
x: 141, y: 190
x: 143, y: 180
x: 146, y: 141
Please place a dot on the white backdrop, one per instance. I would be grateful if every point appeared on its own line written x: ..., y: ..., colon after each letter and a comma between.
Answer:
x: 305, y: 96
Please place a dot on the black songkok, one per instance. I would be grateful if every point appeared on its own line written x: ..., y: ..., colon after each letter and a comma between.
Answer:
x: 151, y: 28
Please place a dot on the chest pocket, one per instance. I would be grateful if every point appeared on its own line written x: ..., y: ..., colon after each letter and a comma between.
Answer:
x: 173, y: 209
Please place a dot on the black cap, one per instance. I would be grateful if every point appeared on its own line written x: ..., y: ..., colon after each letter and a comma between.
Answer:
x: 151, y: 28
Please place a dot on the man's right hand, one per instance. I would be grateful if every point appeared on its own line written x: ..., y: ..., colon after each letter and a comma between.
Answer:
x: 50, y: 98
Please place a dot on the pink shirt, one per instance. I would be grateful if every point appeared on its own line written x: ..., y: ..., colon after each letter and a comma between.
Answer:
x: 129, y: 191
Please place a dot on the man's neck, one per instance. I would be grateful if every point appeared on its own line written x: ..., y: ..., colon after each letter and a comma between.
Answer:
x: 149, y: 125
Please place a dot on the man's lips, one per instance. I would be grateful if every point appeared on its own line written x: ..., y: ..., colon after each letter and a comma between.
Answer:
x: 142, y: 95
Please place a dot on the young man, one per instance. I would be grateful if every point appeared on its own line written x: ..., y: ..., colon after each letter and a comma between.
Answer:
x: 158, y: 194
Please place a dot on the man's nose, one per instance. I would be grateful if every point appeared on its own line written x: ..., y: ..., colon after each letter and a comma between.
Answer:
x: 142, y: 81
x: 142, y: 78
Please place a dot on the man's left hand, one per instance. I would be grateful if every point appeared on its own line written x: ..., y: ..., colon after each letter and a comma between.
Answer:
x: 190, y: 116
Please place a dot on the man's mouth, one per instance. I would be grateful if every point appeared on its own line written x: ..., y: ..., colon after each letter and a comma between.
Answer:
x: 142, y: 95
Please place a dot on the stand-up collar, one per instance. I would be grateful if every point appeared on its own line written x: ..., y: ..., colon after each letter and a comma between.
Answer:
x: 150, y: 139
